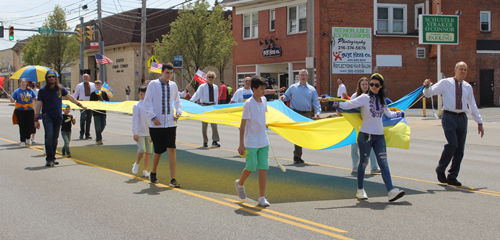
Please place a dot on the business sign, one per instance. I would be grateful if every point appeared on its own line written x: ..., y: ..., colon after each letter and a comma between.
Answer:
x: 438, y: 29
x: 351, y: 50
x: 271, y: 51
x: 177, y: 62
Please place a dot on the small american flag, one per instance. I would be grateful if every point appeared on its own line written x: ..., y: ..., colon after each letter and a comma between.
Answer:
x: 101, y: 59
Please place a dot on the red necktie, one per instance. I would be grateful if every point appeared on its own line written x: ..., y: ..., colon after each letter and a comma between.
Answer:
x: 458, y: 95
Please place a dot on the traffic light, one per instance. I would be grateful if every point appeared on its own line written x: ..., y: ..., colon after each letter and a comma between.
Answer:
x: 1, y: 31
x: 11, y: 33
x: 79, y: 35
x: 89, y: 33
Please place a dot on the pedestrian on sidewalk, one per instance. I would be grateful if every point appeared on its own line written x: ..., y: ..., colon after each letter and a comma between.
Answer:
x: 458, y: 98
x: 254, y: 140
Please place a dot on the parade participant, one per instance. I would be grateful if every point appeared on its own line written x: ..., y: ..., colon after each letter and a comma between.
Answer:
x: 66, y: 130
x: 244, y: 93
x: 371, y: 133
x: 341, y: 88
x: 362, y: 88
x: 160, y: 95
x: 24, y: 98
x: 254, y: 140
x: 36, y: 87
x: 208, y: 95
x: 458, y: 98
x: 82, y: 93
x: 140, y: 130
x: 99, y: 116
x: 222, y: 92
x: 302, y: 98
x: 49, y: 101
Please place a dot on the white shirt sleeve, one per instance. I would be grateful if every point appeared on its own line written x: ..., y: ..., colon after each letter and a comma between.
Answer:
x: 148, y: 101
x: 135, y: 119
x: 362, y: 100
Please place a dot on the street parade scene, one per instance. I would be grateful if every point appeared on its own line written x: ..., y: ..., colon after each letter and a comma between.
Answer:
x: 328, y: 119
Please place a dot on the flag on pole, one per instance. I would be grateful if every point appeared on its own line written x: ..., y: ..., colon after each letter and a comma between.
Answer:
x: 101, y: 59
x: 156, y: 67
x: 108, y: 90
x: 200, y: 77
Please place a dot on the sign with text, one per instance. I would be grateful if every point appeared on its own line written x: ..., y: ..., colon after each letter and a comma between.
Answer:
x: 351, y: 50
x: 271, y: 51
x: 438, y: 29
x: 46, y: 30
x: 177, y: 62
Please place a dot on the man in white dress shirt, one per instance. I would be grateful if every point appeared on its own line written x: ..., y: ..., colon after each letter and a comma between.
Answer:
x: 208, y: 94
x: 82, y: 93
x: 458, y: 98
x: 160, y: 96
x: 341, y: 88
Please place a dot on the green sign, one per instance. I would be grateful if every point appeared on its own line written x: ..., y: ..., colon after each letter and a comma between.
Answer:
x: 438, y: 29
x: 46, y: 30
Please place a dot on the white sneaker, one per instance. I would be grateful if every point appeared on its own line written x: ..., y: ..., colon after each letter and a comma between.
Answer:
x: 263, y: 202
x: 240, y: 190
x: 135, y: 168
x: 354, y: 170
x: 361, y: 194
x: 395, y: 194
x: 376, y: 170
x: 23, y: 144
x: 145, y: 173
x: 33, y: 141
x: 28, y: 142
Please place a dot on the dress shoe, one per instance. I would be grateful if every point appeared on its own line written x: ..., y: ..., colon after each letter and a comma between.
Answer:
x: 441, y: 176
x: 297, y: 160
x: 205, y: 145
x: 454, y: 182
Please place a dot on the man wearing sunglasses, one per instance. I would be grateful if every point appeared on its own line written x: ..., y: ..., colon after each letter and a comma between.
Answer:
x: 208, y: 94
x: 457, y: 95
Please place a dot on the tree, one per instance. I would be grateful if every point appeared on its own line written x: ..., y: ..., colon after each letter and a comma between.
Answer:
x: 57, y: 51
x: 199, y: 36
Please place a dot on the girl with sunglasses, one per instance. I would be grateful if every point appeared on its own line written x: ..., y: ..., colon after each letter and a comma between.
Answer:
x: 371, y: 133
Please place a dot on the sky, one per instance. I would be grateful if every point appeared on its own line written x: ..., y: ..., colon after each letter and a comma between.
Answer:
x: 30, y: 14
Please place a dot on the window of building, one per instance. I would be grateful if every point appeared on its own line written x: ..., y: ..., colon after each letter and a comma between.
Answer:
x: 3, y: 62
x: 297, y: 19
x: 272, y: 19
x: 485, y: 21
x: 419, y: 10
x: 251, y: 26
x: 420, y: 52
x: 391, y: 18
x: 21, y: 58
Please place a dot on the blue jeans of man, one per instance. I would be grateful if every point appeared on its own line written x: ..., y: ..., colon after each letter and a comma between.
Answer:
x: 365, y: 143
x: 85, y: 121
x: 52, y: 127
x: 66, y: 136
x: 455, y: 131
x: 99, y: 125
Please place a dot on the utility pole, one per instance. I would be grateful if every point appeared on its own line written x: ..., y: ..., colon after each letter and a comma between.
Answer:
x: 310, y: 38
x: 102, y: 68
x: 81, y: 50
x: 143, y: 41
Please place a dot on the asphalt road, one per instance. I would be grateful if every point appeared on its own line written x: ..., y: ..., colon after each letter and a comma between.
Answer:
x: 94, y: 195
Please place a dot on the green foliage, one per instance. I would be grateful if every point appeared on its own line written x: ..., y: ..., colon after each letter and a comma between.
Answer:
x: 57, y: 51
x: 203, y: 37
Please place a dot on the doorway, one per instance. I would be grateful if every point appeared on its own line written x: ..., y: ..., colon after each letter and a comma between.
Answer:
x: 486, y: 78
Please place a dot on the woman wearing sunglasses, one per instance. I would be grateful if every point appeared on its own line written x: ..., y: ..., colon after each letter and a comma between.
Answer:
x: 371, y: 133
x: 24, y: 97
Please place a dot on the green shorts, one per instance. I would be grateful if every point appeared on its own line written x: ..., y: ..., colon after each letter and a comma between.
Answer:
x: 257, y: 157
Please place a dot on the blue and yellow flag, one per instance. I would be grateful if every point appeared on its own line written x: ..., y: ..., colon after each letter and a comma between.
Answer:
x: 108, y: 90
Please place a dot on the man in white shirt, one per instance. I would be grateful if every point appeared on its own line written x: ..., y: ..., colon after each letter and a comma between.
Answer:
x: 208, y: 94
x: 244, y: 93
x: 341, y: 89
x: 82, y: 93
x: 160, y: 96
x: 457, y: 95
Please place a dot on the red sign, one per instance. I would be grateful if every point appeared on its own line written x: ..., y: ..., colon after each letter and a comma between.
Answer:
x: 94, y: 45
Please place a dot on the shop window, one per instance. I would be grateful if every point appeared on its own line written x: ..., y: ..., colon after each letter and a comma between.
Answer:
x: 297, y: 19
x: 391, y: 18
x: 250, y: 26
x: 272, y: 19
x: 485, y: 21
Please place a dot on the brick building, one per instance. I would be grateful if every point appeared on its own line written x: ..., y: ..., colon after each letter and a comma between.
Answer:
x: 279, y: 27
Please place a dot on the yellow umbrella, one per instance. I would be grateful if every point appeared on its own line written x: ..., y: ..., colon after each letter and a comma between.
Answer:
x: 31, y: 73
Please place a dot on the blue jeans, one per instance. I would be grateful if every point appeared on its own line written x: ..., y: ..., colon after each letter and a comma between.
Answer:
x: 355, y: 157
x: 365, y: 143
x: 455, y: 131
x: 52, y: 127
x: 99, y: 125
x: 66, y: 136
x: 85, y: 121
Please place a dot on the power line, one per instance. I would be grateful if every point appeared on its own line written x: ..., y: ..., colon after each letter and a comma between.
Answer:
x: 28, y: 9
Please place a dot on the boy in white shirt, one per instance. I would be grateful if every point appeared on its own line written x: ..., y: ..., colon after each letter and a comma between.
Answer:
x: 253, y: 139
x: 140, y: 130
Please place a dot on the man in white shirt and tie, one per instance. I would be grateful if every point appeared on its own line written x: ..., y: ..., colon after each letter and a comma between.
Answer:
x: 457, y: 95
x: 82, y: 93
x: 208, y: 94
